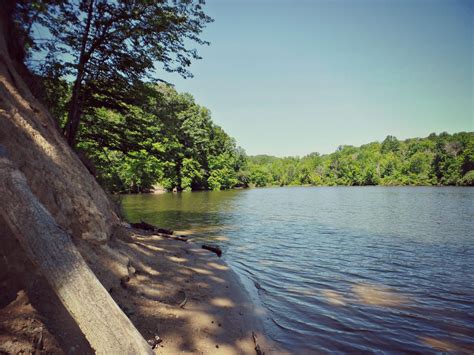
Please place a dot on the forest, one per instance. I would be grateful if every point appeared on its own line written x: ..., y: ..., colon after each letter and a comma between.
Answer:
x: 169, y: 141
x: 442, y: 159
x: 136, y: 133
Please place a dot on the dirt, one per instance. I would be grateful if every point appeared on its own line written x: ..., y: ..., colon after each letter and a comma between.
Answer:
x: 22, y: 329
x: 182, y: 299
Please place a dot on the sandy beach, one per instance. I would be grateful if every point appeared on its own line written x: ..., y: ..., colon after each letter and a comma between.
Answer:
x: 182, y: 299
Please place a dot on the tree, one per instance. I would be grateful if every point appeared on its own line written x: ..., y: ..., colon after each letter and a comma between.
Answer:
x: 468, y: 179
x: 167, y: 139
x: 390, y: 144
x: 108, y: 47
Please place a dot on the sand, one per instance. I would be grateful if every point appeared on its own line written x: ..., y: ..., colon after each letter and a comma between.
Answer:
x: 182, y: 299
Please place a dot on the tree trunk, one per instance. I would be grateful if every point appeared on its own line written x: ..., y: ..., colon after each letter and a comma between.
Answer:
x: 74, y: 114
x: 103, y: 323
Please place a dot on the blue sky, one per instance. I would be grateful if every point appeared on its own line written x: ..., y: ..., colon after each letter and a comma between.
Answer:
x: 294, y: 77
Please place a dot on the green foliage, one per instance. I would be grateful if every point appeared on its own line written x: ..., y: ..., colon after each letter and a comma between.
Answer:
x: 390, y: 144
x: 468, y: 179
x: 436, y: 160
x: 167, y: 140
x: 190, y: 152
x: 107, y: 48
x: 223, y: 173
x: 139, y: 170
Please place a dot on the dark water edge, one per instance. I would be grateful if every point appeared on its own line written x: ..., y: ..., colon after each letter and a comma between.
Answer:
x: 352, y: 269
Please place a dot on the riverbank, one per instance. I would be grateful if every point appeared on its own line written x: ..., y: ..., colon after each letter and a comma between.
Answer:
x: 180, y: 297
x: 189, y: 297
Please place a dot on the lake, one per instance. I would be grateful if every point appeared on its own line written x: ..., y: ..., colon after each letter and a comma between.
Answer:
x: 352, y: 269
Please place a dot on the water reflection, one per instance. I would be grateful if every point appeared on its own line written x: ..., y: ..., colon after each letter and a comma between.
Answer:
x: 377, y: 295
x: 347, y: 269
x: 333, y: 298
x: 441, y: 345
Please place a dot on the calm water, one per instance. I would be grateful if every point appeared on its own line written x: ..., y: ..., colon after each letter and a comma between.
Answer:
x: 345, y: 269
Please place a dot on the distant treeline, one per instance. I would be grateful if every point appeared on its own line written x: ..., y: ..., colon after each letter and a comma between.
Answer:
x: 442, y: 159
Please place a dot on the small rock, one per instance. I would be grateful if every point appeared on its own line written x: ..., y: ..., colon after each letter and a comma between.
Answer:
x: 217, y: 346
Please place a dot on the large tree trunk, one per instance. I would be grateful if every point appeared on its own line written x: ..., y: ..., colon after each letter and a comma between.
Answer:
x: 103, y: 323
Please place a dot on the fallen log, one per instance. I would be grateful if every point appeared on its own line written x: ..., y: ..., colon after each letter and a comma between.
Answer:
x: 150, y: 227
x: 165, y: 231
x: 214, y: 248
x: 143, y: 225
x: 181, y: 238
x: 51, y: 249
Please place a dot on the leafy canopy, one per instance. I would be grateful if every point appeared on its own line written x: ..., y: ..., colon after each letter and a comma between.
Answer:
x: 107, y: 48
x: 435, y: 160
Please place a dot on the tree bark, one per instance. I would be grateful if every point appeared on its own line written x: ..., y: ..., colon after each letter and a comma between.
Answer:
x: 51, y: 249
x: 74, y: 115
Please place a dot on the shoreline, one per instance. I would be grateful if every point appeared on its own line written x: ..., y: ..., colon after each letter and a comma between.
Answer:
x: 207, y: 308
x: 162, y: 192
x: 180, y: 297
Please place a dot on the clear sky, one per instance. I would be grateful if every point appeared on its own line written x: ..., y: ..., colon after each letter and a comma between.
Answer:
x: 294, y: 77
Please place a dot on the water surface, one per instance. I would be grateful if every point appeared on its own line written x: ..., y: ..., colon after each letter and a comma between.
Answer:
x: 358, y: 269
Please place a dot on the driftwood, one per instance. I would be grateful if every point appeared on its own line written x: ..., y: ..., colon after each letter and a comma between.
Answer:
x: 51, y: 249
x: 181, y: 238
x: 162, y: 232
x: 183, y: 303
x: 258, y: 350
x: 143, y: 225
x: 214, y: 248
x: 150, y: 227
x: 165, y: 231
